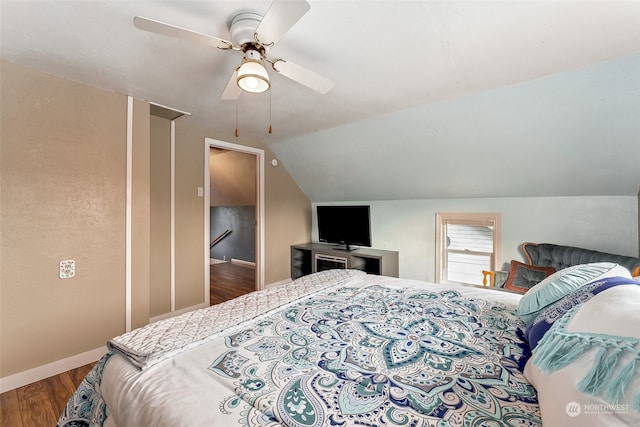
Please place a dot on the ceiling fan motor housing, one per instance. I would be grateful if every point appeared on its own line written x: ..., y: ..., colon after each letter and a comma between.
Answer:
x: 243, y: 27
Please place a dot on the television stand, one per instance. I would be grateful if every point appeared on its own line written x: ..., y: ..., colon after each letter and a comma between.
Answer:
x: 345, y: 248
x: 313, y: 257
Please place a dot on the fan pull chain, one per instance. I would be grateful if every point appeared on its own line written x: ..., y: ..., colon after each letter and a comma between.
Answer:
x: 270, y: 111
x: 237, y: 133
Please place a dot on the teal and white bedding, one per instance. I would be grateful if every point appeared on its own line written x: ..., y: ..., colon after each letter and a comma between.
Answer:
x: 352, y: 349
x: 586, y: 347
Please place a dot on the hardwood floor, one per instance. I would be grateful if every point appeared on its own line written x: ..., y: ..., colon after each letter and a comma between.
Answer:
x: 230, y: 280
x: 41, y: 403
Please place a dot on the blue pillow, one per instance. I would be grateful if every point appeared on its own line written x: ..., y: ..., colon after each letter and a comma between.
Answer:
x: 547, y: 317
x: 562, y: 283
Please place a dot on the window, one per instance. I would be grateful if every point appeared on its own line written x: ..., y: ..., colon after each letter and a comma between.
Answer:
x: 466, y: 244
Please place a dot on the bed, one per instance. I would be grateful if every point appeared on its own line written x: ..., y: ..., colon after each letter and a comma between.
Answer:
x: 345, y: 348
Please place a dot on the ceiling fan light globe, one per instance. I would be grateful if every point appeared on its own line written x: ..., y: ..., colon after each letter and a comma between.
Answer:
x: 251, y: 82
x: 252, y: 77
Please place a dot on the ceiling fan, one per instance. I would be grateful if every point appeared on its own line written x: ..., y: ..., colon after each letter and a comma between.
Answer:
x: 252, y: 35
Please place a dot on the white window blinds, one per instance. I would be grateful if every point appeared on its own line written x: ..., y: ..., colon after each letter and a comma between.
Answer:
x: 467, y: 245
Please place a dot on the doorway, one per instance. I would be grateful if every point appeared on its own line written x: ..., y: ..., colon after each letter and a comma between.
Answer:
x: 234, y: 220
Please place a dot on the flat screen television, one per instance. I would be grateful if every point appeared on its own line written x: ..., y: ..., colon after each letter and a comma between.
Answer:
x: 344, y: 225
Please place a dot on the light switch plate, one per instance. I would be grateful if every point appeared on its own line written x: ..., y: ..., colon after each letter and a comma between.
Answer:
x: 67, y: 269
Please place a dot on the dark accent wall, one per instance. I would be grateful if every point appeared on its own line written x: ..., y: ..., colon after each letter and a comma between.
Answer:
x: 241, y: 243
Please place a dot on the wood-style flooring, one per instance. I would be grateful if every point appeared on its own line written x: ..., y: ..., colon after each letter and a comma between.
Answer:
x: 40, y: 404
x: 230, y: 280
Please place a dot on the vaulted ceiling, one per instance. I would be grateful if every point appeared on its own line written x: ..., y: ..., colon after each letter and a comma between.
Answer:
x: 432, y: 99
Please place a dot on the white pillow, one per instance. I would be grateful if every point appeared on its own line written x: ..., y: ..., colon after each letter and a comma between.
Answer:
x: 562, y: 283
x: 614, y: 311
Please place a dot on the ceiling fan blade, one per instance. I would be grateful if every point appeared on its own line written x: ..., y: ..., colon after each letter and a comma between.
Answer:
x: 281, y: 16
x: 158, y: 27
x: 230, y: 91
x: 303, y: 76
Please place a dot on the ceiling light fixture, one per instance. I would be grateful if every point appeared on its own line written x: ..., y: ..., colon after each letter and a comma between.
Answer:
x: 252, y: 76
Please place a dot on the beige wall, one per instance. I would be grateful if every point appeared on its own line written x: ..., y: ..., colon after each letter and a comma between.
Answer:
x: 287, y: 209
x: 140, y: 215
x: 189, y: 215
x: 232, y: 177
x: 287, y: 212
x: 63, y: 196
x: 160, y: 292
x: 288, y: 219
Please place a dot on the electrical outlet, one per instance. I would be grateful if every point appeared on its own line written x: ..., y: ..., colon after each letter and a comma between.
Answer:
x: 67, y: 269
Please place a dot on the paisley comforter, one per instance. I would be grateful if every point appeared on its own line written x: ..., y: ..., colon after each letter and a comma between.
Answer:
x: 360, y: 350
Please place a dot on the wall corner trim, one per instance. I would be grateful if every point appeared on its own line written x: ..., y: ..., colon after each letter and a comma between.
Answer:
x: 128, y: 214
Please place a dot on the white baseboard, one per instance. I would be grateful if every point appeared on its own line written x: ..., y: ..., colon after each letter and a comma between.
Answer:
x: 243, y: 262
x: 178, y: 312
x: 38, y: 373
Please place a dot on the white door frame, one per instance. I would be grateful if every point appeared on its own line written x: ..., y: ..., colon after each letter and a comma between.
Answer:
x: 259, y: 153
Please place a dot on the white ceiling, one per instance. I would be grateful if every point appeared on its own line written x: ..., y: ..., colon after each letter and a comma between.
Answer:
x: 431, y: 99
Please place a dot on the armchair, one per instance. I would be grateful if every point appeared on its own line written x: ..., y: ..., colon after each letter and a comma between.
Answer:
x: 541, y: 256
x: 494, y: 278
